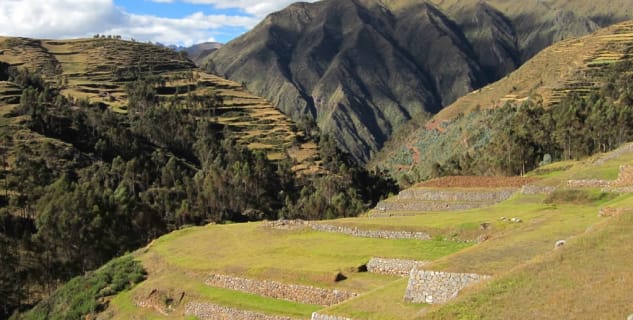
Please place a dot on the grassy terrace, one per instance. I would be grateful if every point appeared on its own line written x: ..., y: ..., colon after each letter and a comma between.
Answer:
x: 588, y: 274
x: 182, y: 260
x: 100, y: 69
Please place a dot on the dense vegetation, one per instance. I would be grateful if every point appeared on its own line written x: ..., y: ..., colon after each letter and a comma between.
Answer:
x: 521, y: 137
x: 83, y: 295
x: 96, y: 183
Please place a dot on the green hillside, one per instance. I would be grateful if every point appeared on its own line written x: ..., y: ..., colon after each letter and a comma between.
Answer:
x: 99, y: 69
x: 512, y: 124
x: 586, y: 278
x: 107, y: 144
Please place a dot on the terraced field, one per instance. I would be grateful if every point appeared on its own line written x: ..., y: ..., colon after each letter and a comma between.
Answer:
x: 100, y: 69
x: 575, y: 65
x: 512, y: 241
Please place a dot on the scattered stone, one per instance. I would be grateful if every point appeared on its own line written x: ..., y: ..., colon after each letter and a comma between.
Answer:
x: 560, y: 243
x: 609, y: 212
x: 516, y: 220
x: 484, y: 226
x: 482, y: 238
x: 503, y: 219
x: 630, y: 317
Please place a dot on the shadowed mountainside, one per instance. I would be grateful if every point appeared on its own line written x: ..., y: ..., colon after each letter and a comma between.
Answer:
x: 362, y: 68
x: 572, y: 69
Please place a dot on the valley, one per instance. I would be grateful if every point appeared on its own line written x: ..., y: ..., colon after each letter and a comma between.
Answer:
x: 339, y: 160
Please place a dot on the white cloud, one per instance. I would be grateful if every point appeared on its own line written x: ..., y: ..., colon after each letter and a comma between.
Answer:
x: 257, y: 8
x: 83, y: 18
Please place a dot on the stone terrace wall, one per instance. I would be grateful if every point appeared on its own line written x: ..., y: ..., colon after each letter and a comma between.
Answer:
x: 588, y: 183
x: 278, y: 290
x: 536, y: 189
x: 385, y: 207
x: 318, y: 316
x: 438, y: 287
x: 624, y: 180
x: 209, y: 311
x: 628, y: 148
x: 383, y: 234
x: 395, y: 267
x: 625, y: 177
x: 456, y: 195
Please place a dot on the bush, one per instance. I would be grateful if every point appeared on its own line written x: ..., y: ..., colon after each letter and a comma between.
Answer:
x: 83, y: 295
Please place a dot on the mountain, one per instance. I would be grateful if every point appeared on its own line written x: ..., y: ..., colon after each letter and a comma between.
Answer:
x: 362, y: 68
x: 572, y: 78
x: 199, y: 51
x: 357, y: 67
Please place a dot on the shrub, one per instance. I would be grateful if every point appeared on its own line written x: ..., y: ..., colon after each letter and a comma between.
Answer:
x: 83, y: 295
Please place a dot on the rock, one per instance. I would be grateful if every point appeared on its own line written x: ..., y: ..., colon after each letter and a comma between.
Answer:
x: 560, y: 243
x: 630, y: 317
x: 484, y: 226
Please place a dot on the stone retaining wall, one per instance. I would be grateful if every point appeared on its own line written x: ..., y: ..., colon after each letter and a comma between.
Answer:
x: 495, y: 195
x: 210, y: 311
x: 284, y: 224
x: 384, y: 208
x: 588, y: 183
x: 622, y: 184
x: 625, y: 177
x: 318, y: 316
x: 383, y: 234
x: 395, y: 267
x: 436, y: 286
x: 530, y: 189
x: 628, y: 148
x: 279, y: 290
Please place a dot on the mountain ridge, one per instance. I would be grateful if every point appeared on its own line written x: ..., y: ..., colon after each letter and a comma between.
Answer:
x: 365, y: 75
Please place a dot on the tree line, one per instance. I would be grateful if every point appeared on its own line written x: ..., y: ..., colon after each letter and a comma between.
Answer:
x: 520, y: 137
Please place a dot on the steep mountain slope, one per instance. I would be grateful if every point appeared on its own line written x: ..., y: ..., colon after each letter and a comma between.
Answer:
x: 356, y: 66
x: 199, y: 51
x: 100, y: 69
x: 362, y: 68
x: 572, y: 68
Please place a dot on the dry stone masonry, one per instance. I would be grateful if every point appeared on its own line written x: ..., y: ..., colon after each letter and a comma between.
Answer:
x: 210, y: 311
x: 394, y: 267
x: 279, y: 290
x: 383, y: 234
x: 624, y: 182
x: 436, y: 286
x: 530, y: 189
x: 319, y: 316
x: 424, y: 199
x: 588, y: 183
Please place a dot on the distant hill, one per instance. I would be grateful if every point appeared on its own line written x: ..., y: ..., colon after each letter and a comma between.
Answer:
x: 100, y: 69
x: 199, y: 51
x: 587, y: 72
x: 362, y: 68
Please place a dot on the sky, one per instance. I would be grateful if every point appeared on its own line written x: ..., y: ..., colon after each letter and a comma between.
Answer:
x: 170, y: 22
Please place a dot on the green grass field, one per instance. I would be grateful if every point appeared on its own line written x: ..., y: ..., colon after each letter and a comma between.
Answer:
x: 530, y: 277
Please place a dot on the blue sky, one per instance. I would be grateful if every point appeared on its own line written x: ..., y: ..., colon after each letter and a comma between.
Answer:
x: 178, y: 22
